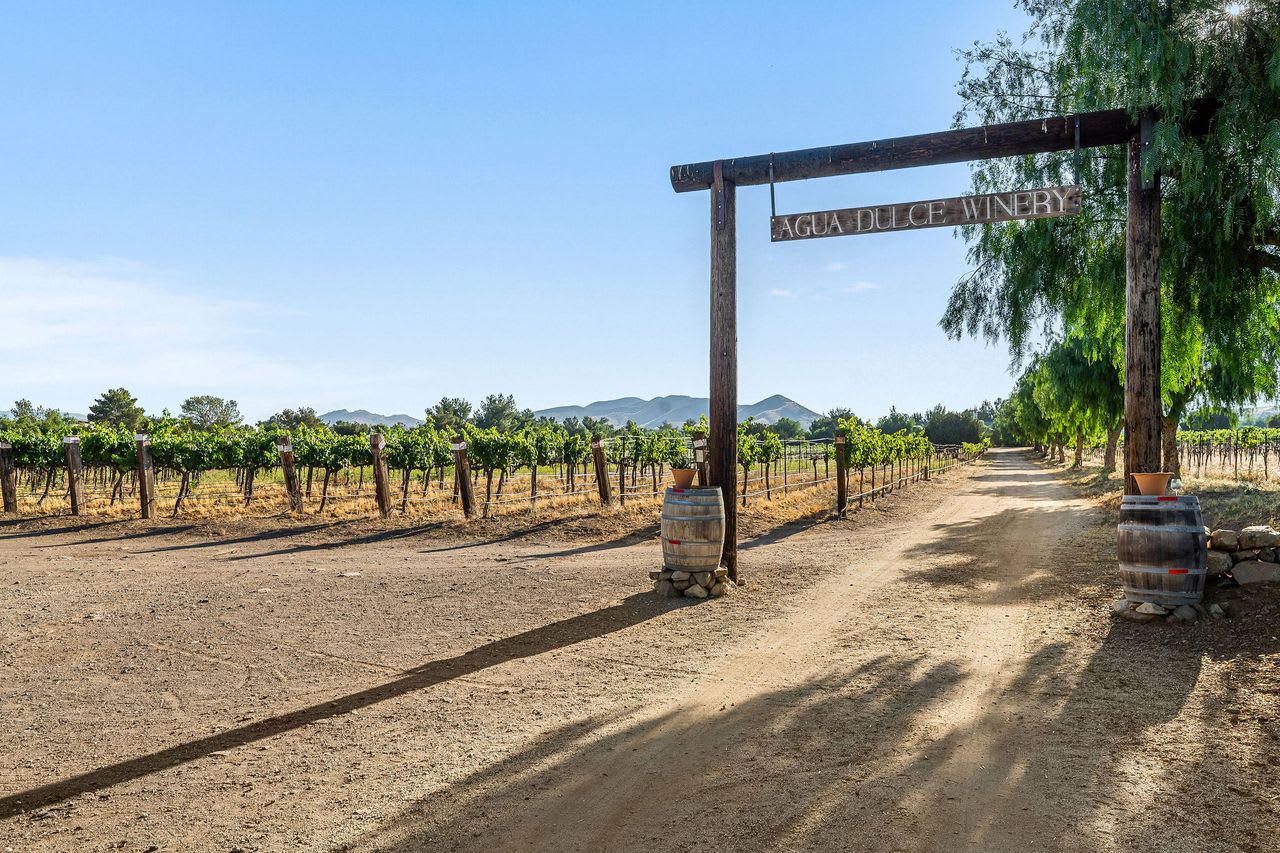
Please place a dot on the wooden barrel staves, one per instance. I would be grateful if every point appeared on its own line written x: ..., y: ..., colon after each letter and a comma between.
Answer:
x: 692, y: 529
x: 1163, y: 549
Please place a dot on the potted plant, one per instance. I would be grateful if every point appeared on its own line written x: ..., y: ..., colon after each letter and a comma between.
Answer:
x: 681, y: 467
x: 1153, y: 484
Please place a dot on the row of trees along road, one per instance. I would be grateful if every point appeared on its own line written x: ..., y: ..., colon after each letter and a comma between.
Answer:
x: 1063, y: 281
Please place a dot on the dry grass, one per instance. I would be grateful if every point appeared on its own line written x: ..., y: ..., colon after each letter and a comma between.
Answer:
x: 1224, y: 502
x: 577, y: 516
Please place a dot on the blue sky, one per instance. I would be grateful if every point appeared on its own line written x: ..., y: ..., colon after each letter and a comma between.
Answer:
x: 376, y: 205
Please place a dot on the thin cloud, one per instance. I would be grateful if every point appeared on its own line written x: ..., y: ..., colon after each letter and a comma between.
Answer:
x: 74, y: 329
x: 782, y: 293
x: 837, y: 266
x: 862, y: 286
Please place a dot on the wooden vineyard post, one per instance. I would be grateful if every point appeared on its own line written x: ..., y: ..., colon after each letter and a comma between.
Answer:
x: 1142, y: 412
x: 700, y: 457
x: 602, y: 469
x: 842, y: 485
x: 381, y: 482
x: 75, y: 473
x: 462, y: 470
x: 284, y: 446
x: 146, y: 475
x: 723, y: 415
x: 622, y: 482
x: 8, y: 478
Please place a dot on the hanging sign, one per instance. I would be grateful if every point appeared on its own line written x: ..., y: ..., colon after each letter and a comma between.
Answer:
x: 1040, y: 203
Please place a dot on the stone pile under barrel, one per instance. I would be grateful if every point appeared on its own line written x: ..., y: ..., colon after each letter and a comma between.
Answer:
x: 692, y: 542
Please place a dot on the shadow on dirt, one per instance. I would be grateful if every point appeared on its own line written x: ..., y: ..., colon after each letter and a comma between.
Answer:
x: 54, y: 528
x: 957, y: 560
x: 801, y: 767
x: 557, y: 635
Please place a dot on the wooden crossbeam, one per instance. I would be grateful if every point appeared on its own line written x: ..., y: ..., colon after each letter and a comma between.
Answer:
x: 1036, y: 136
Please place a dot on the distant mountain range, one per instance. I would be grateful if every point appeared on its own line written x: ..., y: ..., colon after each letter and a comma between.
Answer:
x: 677, y: 408
x: 674, y: 409
x: 364, y: 416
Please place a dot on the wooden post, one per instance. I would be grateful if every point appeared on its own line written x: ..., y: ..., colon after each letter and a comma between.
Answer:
x: 842, y: 487
x: 292, y: 486
x: 146, y: 475
x: 75, y: 473
x: 8, y: 478
x: 381, y: 482
x: 1142, y: 411
x: 622, y: 482
x: 602, y: 469
x: 723, y: 415
x: 700, y: 457
x: 462, y: 470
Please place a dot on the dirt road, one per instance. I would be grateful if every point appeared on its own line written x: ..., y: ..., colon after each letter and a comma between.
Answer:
x: 937, y: 673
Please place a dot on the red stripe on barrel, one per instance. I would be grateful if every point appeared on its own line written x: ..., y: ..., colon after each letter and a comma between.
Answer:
x: 674, y: 541
x: 1178, y: 571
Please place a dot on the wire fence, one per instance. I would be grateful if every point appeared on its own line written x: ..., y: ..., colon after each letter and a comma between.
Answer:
x: 799, y: 466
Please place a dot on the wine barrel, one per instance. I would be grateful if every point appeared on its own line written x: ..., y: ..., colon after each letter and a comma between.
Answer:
x: 692, y: 529
x: 1163, y: 549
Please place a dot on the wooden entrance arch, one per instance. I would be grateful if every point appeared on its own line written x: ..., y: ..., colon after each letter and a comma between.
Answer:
x: 1142, y: 410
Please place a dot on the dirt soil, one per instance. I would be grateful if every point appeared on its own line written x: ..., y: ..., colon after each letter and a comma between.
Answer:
x: 939, y: 672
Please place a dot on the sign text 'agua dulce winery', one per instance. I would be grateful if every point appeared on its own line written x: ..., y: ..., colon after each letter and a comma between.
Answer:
x: 937, y: 213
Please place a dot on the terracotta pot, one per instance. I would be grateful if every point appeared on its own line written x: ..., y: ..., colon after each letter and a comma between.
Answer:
x: 684, y: 477
x: 1153, y: 484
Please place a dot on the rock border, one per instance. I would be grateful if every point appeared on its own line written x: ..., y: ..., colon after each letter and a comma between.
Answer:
x: 670, y: 583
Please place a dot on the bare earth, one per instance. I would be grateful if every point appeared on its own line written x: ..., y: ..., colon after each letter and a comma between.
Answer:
x: 939, y: 672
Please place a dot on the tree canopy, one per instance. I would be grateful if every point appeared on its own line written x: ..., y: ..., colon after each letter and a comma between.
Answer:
x: 1210, y: 65
x: 292, y: 419
x: 449, y: 414
x: 206, y: 412
x: 117, y: 407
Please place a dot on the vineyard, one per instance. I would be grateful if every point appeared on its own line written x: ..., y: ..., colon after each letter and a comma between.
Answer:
x: 240, y: 468
x: 1247, y: 454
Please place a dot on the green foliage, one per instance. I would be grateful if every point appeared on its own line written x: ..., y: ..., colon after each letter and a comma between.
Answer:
x: 1220, y: 216
x: 207, y: 412
x: 449, y: 415
x: 1076, y: 390
x: 108, y: 446
x: 867, y: 447
x: 943, y: 426
x: 825, y: 426
x: 499, y: 411
x: 896, y: 421
x: 116, y: 406
x: 787, y: 429
x: 290, y: 419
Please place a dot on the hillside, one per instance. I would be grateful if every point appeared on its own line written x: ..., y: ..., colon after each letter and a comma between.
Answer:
x: 364, y: 416
x: 678, y: 408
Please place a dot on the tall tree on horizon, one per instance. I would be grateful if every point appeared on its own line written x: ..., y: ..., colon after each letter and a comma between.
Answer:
x: 117, y: 407
x: 208, y: 412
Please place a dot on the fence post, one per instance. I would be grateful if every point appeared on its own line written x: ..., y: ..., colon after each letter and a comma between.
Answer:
x: 8, y: 479
x: 292, y: 485
x: 842, y: 485
x: 146, y: 475
x: 462, y: 470
x: 75, y: 473
x: 928, y: 458
x: 700, y: 457
x: 602, y: 469
x: 381, y: 483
